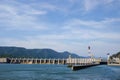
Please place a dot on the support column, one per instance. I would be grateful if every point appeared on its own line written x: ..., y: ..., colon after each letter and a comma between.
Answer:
x: 53, y: 60
x: 58, y: 61
x: 40, y: 61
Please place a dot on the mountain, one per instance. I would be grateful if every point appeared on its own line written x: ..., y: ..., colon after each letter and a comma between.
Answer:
x: 20, y: 52
x: 116, y: 55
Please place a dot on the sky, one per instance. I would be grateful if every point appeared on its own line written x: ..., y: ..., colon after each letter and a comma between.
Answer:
x: 62, y: 25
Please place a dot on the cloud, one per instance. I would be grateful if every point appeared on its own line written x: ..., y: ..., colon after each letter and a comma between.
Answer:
x: 101, y: 24
x: 44, y: 6
x: 21, y: 17
x: 84, y: 23
x: 93, y: 4
x: 102, y: 30
x: 98, y: 48
x: 74, y: 33
x: 30, y: 25
x: 35, y: 43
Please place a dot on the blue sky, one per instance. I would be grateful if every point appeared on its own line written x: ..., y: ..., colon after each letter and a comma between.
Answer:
x: 62, y: 25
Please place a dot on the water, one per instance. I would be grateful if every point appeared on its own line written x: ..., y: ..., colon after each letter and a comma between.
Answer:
x: 56, y: 72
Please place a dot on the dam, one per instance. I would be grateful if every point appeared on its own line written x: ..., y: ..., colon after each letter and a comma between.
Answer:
x: 68, y: 61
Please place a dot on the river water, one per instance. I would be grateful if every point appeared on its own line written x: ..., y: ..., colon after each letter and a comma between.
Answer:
x: 57, y: 72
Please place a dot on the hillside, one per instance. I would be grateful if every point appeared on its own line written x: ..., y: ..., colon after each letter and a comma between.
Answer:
x: 33, y: 53
x: 116, y: 55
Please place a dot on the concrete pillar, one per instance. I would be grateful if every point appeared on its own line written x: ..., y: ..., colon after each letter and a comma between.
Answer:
x: 49, y: 62
x: 53, y: 61
x: 39, y: 61
x: 44, y: 61
x: 63, y: 61
x: 58, y: 61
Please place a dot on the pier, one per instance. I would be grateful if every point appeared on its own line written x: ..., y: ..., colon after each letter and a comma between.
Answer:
x: 78, y: 67
x: 82, y: 63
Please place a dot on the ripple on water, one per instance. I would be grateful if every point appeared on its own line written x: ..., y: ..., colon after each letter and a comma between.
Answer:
x: 57, y: 72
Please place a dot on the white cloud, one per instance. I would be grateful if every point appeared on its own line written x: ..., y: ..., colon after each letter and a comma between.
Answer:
x: 89, y: 5
x: 45, y: 6
x: 73, y: 35
x: 102, y: 24
x: 21, y: 17
x: 101, y: 48
x: 93, y: 4
x: 83, y: 23
x: 86, y: 30
x: 98, y: 48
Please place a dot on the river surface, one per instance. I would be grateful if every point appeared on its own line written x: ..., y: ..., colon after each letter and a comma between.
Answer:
x: 57, y: 72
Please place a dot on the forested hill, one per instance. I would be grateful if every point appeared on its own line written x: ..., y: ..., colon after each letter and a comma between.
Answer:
x: 33, y: 53
x: 116, y: 55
